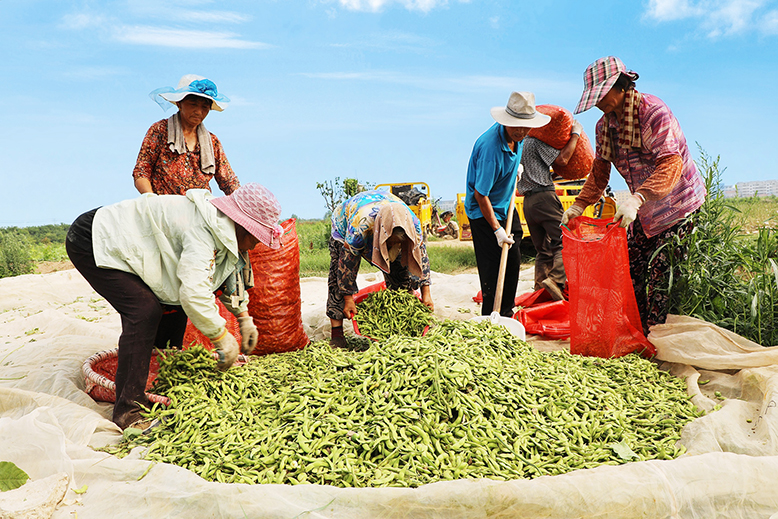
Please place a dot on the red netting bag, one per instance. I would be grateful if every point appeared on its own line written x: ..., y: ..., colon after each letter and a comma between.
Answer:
x: 604, y: 317
x: 274, y: 302
x: 194, y: 336
x: 557, y: 132
x: 580, y: 164
x: 540, y: 315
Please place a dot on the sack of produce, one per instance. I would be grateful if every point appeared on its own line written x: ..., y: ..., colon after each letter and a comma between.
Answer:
x: 194, y: 336
x: 604, y: 317
x: 557, y: 132
x: 580, y: 164
x: 274, y: 302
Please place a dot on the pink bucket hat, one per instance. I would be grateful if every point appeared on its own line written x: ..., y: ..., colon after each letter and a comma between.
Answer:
x: 599, y: 78
x: 256, y: 209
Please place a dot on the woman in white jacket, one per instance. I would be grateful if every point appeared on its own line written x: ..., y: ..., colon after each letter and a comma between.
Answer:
x: 174, y: 250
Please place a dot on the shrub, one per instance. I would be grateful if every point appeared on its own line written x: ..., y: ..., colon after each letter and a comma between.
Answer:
x: 15, y: 258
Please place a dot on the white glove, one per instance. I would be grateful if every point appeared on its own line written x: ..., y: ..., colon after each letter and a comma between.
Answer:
x: 628, y: 210
x: 227, y: 348
x: 577, y: 127
x: 248, y: 333
x: 502, y: 237
x: 573, y: 211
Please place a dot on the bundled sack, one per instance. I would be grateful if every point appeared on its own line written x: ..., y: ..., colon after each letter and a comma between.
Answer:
x: 580, y: 164
x: 604, y: 317
x: 274, y: 302
x: 556, y: 134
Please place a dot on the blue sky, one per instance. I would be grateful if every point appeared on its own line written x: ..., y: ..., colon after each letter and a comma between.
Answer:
x: 380, y: 90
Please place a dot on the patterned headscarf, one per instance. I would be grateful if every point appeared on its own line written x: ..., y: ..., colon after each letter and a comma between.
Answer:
x: 629, y: 128
x: 388, y: 218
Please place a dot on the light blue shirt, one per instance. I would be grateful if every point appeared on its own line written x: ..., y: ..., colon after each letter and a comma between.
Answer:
x: 492, y: 172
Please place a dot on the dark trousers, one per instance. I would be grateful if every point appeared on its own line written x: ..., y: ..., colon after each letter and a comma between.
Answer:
x: 650, y: 266
x: 144, y: 321
x: 487, y: 258
x: 543, y: 213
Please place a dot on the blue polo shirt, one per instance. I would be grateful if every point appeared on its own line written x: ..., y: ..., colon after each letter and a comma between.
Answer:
x: 492, y: 172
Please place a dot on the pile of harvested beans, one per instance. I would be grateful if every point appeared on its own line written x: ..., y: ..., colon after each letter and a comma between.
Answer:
x: 467, y: 400
x: 387, y: 313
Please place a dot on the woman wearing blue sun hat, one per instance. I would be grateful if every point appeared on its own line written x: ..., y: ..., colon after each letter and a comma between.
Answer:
x: 178, y: 153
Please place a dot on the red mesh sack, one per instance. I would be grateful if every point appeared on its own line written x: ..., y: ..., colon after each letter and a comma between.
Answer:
x: 274, y: 302
x: 580, y: 164
x: 557, y: 132
x: 604, y: 317
x: 194, y: 336
x: 550, y: 319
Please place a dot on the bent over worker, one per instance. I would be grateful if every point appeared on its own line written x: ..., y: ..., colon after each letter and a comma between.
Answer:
x: 382, y: 229
x: 174, y: 250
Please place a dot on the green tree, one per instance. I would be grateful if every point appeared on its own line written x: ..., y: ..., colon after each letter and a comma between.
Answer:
x: 15, y: 258
x: 336, y: 191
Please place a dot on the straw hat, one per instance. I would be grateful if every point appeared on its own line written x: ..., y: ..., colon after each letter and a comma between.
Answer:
x: 256, y: 209
x: 191, y: 84
x: 520, y: 112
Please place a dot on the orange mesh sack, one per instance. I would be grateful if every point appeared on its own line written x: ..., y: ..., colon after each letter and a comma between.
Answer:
x: 274, y: 302
x: 580, y: 164
x: 557, y: 132
x: 604, y: 317
x: 194, y: 336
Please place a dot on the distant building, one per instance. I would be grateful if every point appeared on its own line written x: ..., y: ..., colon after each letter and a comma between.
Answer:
x: 752, y: 188
x: 447, y: 205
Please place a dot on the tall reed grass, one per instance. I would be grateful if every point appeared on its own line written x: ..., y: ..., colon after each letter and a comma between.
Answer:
x: 729, y: 277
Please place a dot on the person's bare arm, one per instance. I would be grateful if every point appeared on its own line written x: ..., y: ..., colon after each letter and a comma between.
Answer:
x: 143, y: 185
x: 567, y: 152
x: 486, y: 209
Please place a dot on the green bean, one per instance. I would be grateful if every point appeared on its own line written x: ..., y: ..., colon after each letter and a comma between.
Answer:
x: 386, y: 313
x: 467, y: 400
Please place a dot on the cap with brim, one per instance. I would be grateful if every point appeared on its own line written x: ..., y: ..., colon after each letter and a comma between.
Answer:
x: 256, y: 209
x: 520, y: 112
x: 599, y: 78
x: 191, y: 84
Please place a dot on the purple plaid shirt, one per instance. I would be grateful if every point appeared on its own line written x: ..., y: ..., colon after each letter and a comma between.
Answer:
x: 662, y: 137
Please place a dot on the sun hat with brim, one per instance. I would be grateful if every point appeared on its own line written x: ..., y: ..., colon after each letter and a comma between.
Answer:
x: 599, y: 78
x: 520, y: 112
x: 256, y: 209
x: 190, y: 84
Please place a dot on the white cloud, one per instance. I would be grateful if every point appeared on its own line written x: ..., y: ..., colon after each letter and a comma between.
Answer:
x: 212, y: 16
x: 769, y: 23
x: 716, y: 18
x: 82, y: 21
x: 377, y: 5
x: 392, y: 40
x: 145, y: 35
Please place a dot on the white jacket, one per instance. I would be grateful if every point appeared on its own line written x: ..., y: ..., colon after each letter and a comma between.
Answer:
x: 182, y: 247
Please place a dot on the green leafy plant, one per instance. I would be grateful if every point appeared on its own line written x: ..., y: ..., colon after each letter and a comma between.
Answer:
x: 728, y: 277
x: 15, y: 258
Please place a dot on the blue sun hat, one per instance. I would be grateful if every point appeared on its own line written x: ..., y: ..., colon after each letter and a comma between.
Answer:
x: 190, y: 84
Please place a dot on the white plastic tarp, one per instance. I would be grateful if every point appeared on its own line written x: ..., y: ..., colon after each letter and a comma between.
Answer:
x: 49, y: 324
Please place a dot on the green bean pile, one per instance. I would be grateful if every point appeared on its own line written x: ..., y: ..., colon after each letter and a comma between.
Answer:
x: 468, y: 400
x: 387, y: 313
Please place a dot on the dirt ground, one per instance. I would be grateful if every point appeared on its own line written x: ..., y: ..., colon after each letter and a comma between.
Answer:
x: 46, y: 267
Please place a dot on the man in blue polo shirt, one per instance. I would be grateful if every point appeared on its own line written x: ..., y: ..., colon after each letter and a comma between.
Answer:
x: 491, y: 182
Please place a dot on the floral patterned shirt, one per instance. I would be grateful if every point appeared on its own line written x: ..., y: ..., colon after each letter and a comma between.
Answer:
x: 171, y: 173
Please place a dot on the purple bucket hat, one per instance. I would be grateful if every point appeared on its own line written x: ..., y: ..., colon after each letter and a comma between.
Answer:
x: 599, y: 78
x: 256, y: 209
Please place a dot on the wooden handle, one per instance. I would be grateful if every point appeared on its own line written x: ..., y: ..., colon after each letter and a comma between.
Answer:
x: 504, y: 257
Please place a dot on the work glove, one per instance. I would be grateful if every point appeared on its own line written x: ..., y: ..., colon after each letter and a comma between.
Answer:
x: 577, y: 128
x: 628, y: 210
x: 227, y: 348
x: 502, y: 237
x: 573, y: 211
x: 248, y: 333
